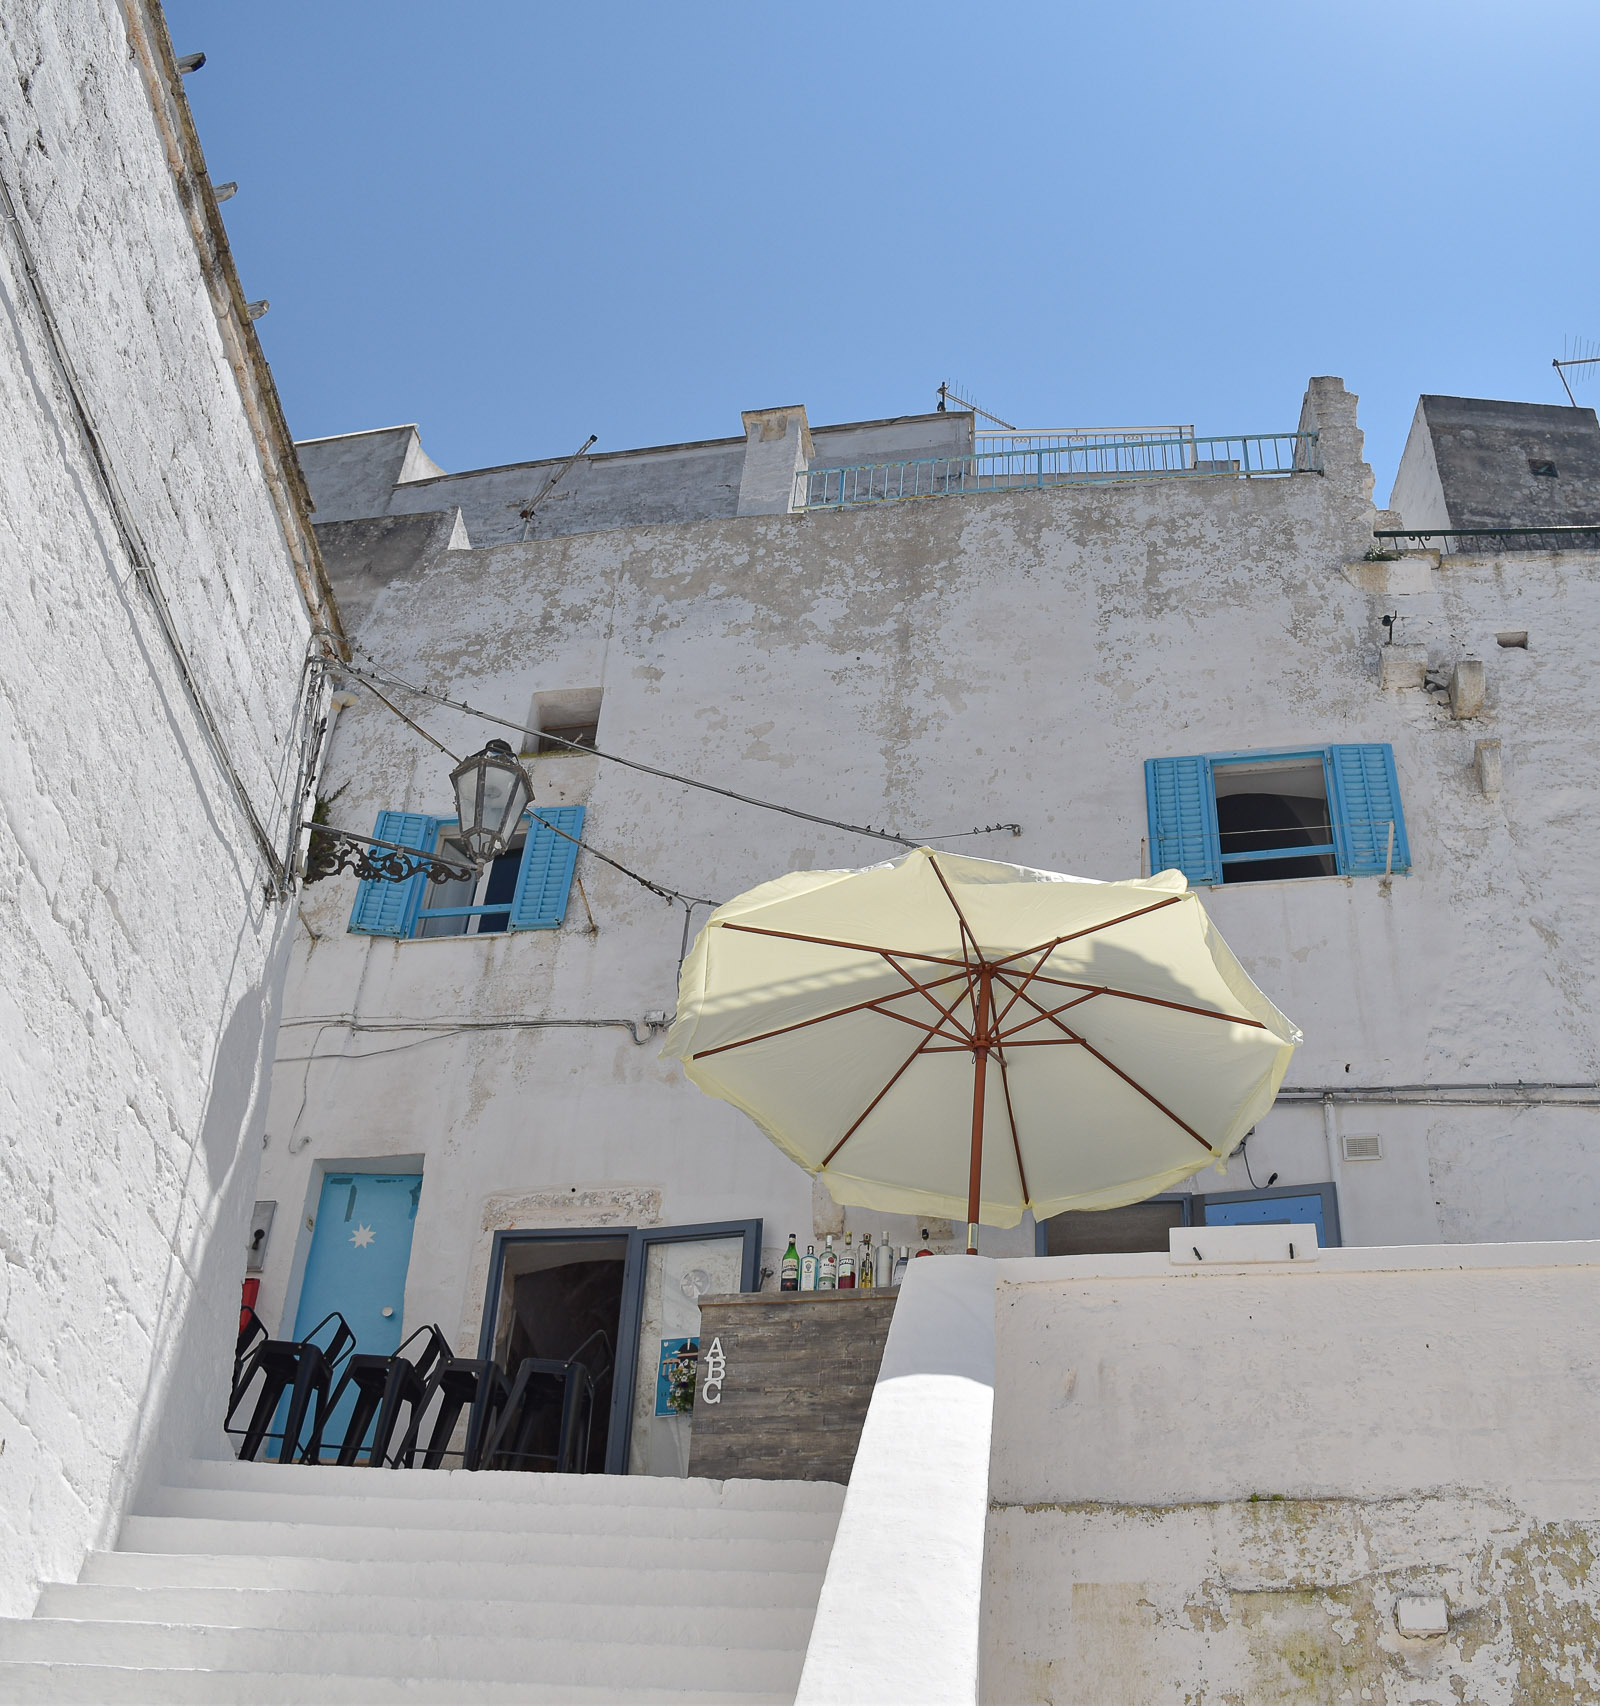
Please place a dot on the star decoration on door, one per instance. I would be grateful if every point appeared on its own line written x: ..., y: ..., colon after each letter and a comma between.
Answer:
x: 362, y: 1237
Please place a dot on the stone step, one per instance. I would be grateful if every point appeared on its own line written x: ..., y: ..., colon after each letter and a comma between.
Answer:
x: 594, y: 1622
x: 372, y: 1508
x: 452, y: 1579
x: 455, y: 1485
x: 508, y: 1658
x: 317, y: 1540
x: 26, y: 1684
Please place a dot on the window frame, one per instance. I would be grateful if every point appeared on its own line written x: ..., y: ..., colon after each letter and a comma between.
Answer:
x: 1327, y: 1190
x: 424, y: 913
x: 1181, y: 811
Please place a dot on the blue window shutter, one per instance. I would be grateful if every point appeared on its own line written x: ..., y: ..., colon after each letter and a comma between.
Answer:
x: 390, y: 909
x: 545, y: 879
x: 1183, y: 818
x: 1366, y: 800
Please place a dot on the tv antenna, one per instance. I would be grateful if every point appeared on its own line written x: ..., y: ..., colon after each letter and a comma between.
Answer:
x: 951, y: 392
x: 1575, y: 352
x: 550, y: 485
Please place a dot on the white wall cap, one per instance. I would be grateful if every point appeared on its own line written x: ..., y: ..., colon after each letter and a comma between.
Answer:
x: 1195, y: 1246
x: 1419, y: 1615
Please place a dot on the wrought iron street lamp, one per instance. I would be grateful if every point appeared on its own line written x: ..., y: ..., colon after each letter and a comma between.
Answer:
x: 492, y: 792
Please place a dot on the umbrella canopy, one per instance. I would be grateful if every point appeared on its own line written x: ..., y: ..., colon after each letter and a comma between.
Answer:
x: 949, y: 1036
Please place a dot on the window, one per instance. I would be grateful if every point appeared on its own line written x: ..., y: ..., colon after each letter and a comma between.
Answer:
x: 558, y: 721
x: 1239, y: 817
x: 1279, y: 1206
x: 525, y: 889
x: 1147, y: 1225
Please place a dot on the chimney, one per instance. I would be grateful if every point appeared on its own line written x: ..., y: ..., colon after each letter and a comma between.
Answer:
x: 777, y: 447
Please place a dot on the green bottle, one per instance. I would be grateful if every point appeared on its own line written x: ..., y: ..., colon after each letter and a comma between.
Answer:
x: 789, y: 1279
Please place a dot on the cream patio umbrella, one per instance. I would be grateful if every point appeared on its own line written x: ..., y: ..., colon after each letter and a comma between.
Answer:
x: 941, y: 1035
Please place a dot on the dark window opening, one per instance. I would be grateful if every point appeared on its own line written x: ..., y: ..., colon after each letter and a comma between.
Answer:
x: 577, y: 734
x: 497, y: 881
x: 558, y: 1298
x: 1516, y: 639
x: 1545, y: 470
x: 1276, y: 808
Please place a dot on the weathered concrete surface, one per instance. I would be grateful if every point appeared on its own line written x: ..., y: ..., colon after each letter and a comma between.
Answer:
x: 932, y: 666
x: 1467, y: 463
x: 386, y: 472
x: 1214, y: 1485
x: 142, y: 961
x: 1242, y: 1604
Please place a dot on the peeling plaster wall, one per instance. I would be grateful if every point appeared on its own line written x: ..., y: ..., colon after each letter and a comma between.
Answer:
x: 142, y: 961
x: 932, y: 666
x: 1214, y: 1487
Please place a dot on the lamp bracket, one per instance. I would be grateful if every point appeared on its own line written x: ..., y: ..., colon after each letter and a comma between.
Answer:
x: 335, y: 850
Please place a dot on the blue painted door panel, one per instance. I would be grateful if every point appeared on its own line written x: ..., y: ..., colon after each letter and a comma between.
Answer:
x: 1269, y: 1211
x: 360, y: 1250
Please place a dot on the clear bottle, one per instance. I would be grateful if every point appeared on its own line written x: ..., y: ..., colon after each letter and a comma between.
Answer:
x: 808, y: 1269
x: 883, y: 1262
x: 847, y: 1266
x: 828, y: 1267
x: 789, y: 1268
x: 902, y: 1263
x: 866, y: 1274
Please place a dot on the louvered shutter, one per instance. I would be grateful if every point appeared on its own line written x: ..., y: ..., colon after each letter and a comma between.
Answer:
x: 1183, y: 818
x: 545, y: 879
x: 1366, y: 800
x: 390, y: 909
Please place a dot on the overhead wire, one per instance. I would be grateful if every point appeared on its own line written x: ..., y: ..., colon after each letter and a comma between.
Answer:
x: 390, y: 678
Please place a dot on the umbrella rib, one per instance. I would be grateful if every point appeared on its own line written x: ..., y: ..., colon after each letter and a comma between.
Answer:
x: 899, y: 1070
x: 1149, y: 1000
x: 1152, y: 1100
x: 1042, y: 1012
x: 966, y: 929
x: 855, y: 947
x: 1016, y: 1143
x: 874, y: 1005
x: 1085, y: 1043
x: 1048, y: 948
x: 926, y: 989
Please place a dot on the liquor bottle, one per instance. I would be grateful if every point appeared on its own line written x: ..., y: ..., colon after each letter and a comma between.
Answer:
x: 808, y: 1269
x: 925, y: 1250
x: 901, y: 1264
x: 789, y: 1268
x: 883, y: 1262
x: 847, y: 1267
x: 828, y: 1268
x: 866, y: 1275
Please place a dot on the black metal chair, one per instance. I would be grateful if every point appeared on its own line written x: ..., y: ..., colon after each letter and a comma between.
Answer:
x: 384, y: 1386
x: 251, y: 1329
x: 473, y: 1384
x: 511, y: 1446
x: 303, y: 1369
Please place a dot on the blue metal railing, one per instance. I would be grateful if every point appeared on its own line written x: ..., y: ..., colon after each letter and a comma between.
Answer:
x: 1108, y: 460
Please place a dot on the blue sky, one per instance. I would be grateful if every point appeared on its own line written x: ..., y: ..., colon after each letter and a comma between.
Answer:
x: 519, y: 224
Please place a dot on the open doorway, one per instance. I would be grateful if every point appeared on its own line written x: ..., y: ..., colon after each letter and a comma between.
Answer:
x: 560, y: 1296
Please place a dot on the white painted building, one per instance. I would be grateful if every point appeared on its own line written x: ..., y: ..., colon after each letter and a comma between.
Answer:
x: 1185, y: 658
x: 163, y: 597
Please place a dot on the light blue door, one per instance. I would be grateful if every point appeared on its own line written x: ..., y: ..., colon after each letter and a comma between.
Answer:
x: 1269, y: 1211
x: 360, y: 1250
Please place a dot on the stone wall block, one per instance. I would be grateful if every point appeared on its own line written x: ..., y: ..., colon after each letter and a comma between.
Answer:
x: 1466, y: 688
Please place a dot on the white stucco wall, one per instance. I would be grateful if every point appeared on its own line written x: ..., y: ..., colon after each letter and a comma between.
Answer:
x: 1219, y: 1482
x: 143, y: 955
x: 932, y: 666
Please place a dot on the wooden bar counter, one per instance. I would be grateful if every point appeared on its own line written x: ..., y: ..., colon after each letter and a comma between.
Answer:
x: 797, y: 1370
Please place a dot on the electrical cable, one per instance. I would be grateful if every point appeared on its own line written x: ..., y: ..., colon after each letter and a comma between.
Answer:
x: 393, y: 680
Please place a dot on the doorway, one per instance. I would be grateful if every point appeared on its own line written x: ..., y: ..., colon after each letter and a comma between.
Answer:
x: 551, y: 1292
x: 360, y: 1253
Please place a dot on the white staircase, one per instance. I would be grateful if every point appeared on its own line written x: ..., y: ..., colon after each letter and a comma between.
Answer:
x: 267, y: 1583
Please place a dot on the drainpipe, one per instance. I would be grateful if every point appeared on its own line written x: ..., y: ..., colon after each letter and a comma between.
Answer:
x: 1330, y: 1134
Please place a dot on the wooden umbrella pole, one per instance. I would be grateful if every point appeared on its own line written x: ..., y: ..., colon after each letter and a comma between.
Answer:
x: 979, y: 1073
